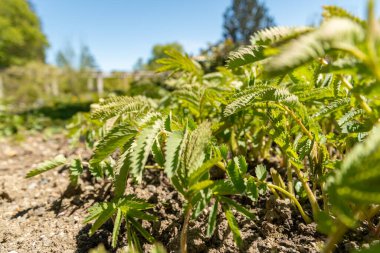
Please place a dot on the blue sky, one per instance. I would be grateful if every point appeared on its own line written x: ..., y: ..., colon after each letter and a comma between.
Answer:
x: 118, y: 32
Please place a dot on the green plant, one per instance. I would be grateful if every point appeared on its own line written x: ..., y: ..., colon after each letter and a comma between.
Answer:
x: 307, y: 96
x: 316, y: 76
x: 128, y: 209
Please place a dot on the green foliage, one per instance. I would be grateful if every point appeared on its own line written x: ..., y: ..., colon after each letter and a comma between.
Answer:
x: 261, y: 42
x: 128, y: 209
x: 334, y: 34
x: 21, y: 38
x: 373, y: 249
x: 112, y: 140
x: 335, y: 11
x: 176, y: 62
x: 143, y: 146
x: 173, y: 152
x: 18, y: 125
x: 76, y: 170
x: 235, y: 173
x: 114, y: 106
x: 212, y: 219
x: 246, y: 55
x: 47, y: 165
x: 232, y: 223
x: 357, y: 179
x: 305, y: 96
x: 159, y: 52
x: 277, y: 35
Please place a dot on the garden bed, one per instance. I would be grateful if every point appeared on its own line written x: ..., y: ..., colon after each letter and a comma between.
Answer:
x: 45, y: 214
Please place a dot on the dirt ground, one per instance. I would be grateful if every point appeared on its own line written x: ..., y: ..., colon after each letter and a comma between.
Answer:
x: 45, y: 214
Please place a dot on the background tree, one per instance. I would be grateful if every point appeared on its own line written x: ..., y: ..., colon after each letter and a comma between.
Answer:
x: 65, y: 58
x: 21, y: 38
x: 77, y: 68
x: 68, y: 58
x: 139, y: 64
x: 243, y: 18
x: 86, y: 59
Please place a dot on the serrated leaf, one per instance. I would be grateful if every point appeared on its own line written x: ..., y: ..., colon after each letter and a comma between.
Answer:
x: 142, y: 230
x: 304, y: 148
x: 277, y: 35
x: 143, y: 145
x: 245, y: 55
x: 103, y: 217
x: 94, y: 211
x: 116, y: 228
x: 261, y: 172
x: 222, y: 187
x: 178, y: 185
x: 251, y: 189
x: 47, y: 165
x: 232, y: 223
x: 212, y: 219
x: 224, y: 151
x: 76, y: 170
x: 330, y: 35
x: 237, y: 207
x: 168, y: 122
x: 234, y: 174
x: 332, y: 107
x: 113, y: 106
x: 194, y: 149
x: 141, y: 215
x: 132, y: 202
x: 243, y: 166
x: 157, y: 154
x: 204, y: 168
x: 200, y: 201
x: 349, y: 116
x: 173, y: 152
x: 114, y: 139
x: 201, y: 185
x: 123, y: 166
x: 337, y: 12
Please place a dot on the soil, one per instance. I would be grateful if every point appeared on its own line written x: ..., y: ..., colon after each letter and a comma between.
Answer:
x: 45, y: 213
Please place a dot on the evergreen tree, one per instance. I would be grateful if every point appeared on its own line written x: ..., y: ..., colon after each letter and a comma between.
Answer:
x: 245, y: 17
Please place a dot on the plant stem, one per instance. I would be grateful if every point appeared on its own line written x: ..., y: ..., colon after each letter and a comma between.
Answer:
x: 289, y: 176
x: 275, y: 193
x: 371, y: 38
x: 353, y: 50
x: 324, y: 197
x: 335, y: 238
x: 153, y: 167
x: 221, y: 166
x: 185, y: 227
x: 298, y: 121
x: 360, y: 98
x: 342, y: 228
x: 233, y: 142
x: 312, y: 199
x: 294, y: 199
